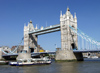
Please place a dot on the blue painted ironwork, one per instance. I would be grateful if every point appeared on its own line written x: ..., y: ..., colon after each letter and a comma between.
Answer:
x: 85, y: 37
x: 46, y: 30
x: 53, y: 52
x: 12, y: 52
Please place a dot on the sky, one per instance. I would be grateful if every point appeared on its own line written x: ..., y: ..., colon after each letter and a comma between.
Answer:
x: 15, y: 13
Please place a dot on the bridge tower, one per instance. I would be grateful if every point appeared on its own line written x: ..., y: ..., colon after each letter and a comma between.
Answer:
x: 69, y: 40
x: 30, y: 40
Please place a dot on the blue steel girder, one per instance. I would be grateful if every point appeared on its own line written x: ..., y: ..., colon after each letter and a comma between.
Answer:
x: 53, y: 52
x: 50, y: 29
x: 85, y: 51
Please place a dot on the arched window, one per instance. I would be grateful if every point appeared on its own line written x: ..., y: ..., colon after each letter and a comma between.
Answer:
x: 73, y: 26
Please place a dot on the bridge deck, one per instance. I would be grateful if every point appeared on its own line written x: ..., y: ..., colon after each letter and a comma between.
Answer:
x: 85, y: 51
x: 53, y: 52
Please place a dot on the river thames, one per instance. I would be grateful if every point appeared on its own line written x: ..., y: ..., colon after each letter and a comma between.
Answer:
x: 86, y: 66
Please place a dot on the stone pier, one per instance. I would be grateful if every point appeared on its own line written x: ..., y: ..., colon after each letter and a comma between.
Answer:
x: 23, y: 56
x: 68, y: 56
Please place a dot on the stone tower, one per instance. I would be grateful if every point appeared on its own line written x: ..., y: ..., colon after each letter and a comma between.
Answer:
x: 68, y: 37
x: 30, y: 41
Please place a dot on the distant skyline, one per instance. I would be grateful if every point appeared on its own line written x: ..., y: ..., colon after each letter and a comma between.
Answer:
x: 15, y: 13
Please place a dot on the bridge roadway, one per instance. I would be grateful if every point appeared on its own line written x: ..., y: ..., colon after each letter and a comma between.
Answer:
x: 53, y: 52
x: 49, y: 29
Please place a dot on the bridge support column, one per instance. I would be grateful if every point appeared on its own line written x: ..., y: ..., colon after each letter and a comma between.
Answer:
x: 68, y: 56
x: 30, y: 40
x: 65, y: 55
x: 23, y: 56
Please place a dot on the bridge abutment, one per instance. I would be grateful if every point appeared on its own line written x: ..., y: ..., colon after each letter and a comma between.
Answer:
x: 1, y: 54
x: 65, y: 55
x: 62, y: 55
x: 23, y: 56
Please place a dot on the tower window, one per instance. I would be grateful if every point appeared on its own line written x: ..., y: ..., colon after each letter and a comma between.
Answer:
x: 73, y: 26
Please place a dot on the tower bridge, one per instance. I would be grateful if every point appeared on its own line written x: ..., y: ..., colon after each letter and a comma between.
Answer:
x: 70, y: 36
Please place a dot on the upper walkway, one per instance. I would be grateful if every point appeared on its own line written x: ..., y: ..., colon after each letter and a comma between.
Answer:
x: 49, y: 29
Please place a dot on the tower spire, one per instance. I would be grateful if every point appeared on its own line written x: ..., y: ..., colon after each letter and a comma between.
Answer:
x: 30, y: 21
x: 36, y: 27
x: 75, y: 15
x: 60, y: 13
x: 68, y: 9
x: 75, y: 18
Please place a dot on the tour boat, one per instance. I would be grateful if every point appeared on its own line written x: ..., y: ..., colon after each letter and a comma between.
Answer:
x: 94, y: 57
x: 4, y: 62
x: 31, y: 61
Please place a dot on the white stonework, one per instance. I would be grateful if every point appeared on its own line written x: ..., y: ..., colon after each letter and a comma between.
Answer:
x: 30, y: 41
x: 68, y: 37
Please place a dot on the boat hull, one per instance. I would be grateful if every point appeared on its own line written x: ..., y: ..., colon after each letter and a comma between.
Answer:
x: 17, y: 64
x: 4, y: 62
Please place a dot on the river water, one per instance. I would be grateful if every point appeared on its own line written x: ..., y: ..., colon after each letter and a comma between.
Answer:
x: 86, y: 66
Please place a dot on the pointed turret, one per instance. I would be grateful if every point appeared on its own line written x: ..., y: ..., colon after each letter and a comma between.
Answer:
x: 60, y: 13
x: 42, y: 28
x: 68, y: 14
x: 36, y: 27
x: 30, y: 21
x: 25, y: 27
x: 68, y: 11
x: 75, y: 18
x: 75, y: 15
x: 30, y: 26
x: 61, y: 16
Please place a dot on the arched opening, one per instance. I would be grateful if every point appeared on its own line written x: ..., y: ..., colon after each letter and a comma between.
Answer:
x: 6, y: 51
x: 73, y: 46
x: 73, y: 26
x: 32, y: 50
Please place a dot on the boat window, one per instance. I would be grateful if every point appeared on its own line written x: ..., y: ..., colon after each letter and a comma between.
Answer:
x: 25, y: 61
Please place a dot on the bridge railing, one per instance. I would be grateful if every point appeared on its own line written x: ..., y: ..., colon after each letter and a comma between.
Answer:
x: 86, y: 40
